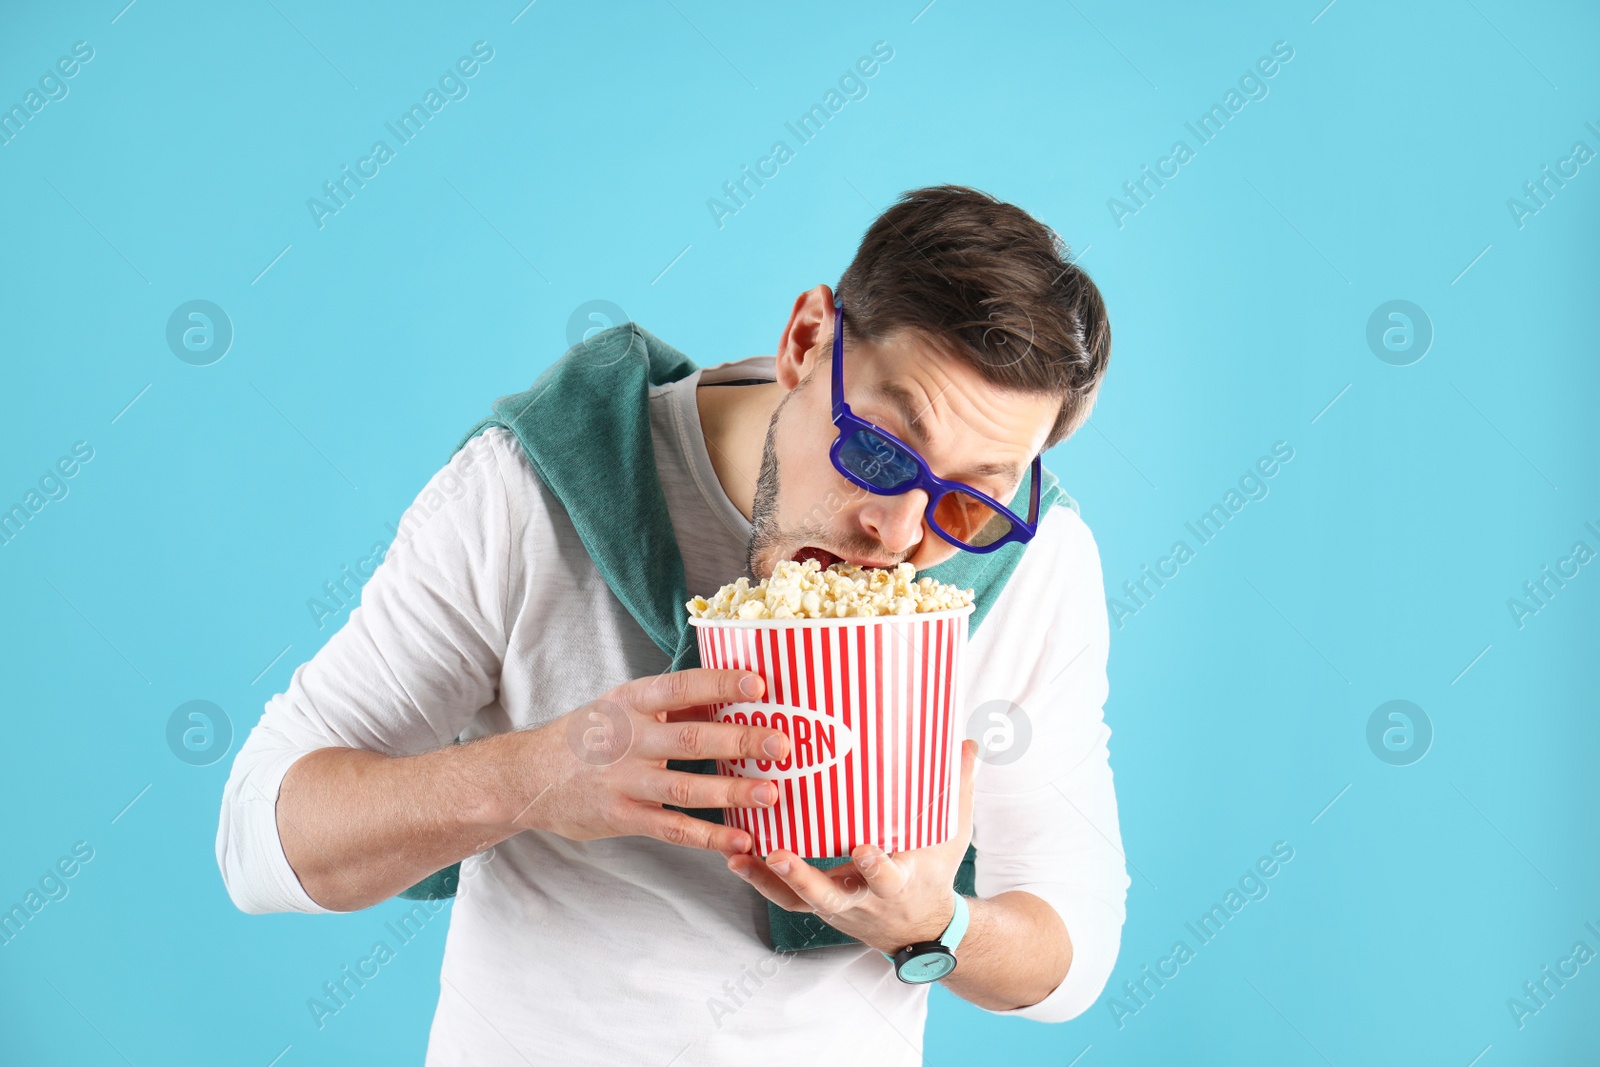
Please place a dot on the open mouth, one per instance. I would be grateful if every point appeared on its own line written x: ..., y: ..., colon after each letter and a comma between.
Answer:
x: 826, y: 559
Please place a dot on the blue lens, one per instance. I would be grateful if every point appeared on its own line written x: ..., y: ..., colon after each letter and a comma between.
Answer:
x: 876, y: 461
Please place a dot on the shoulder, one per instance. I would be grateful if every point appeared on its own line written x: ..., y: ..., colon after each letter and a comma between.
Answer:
x: 488, y: 483
x: 496, y: 445
x: 751, y: 367
x: 1058, y: 581
x: 465, y: 503
x: 492, y: 452
x: 1064, y: 548
x: 488, y: 466
x: 500, y: 456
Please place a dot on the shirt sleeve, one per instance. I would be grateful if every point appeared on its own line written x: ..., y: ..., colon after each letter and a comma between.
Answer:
x: 409, y: 669
x: 1044, y: 809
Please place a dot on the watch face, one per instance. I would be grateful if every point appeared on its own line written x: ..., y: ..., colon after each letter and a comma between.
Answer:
x: 927, y: 967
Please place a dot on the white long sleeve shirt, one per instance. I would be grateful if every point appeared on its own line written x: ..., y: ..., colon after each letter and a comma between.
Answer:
x: 487, y: 615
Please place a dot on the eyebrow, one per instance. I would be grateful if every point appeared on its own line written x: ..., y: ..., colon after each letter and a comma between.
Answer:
x: 899, y: 398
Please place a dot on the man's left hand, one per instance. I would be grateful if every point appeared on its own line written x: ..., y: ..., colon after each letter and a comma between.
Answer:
x: 885, y: 901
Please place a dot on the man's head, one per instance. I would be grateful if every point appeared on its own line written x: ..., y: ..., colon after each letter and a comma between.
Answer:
x: 968, y: 334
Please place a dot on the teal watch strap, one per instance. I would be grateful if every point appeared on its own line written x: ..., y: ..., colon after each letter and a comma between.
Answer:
x: 955, y: 931
x: 958, y: 925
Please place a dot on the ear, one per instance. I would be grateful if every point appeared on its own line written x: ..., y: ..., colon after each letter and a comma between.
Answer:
x: 806, y: 337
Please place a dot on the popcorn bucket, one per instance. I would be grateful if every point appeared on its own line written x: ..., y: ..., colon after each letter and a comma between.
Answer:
x: 868, y: 704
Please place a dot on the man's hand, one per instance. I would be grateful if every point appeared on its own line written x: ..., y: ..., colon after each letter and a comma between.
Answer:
x: 358, y: 827
x: 601, y: 770
x: 887, y: 902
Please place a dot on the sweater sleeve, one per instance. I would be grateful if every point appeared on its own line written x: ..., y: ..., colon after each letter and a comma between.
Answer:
x: 1044, y: 809
x: 408, y: 670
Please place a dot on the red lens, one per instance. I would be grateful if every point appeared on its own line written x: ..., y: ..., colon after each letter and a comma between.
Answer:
x: 969, y: 520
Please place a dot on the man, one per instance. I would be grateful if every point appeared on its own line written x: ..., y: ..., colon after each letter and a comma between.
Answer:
x: 600, y: 920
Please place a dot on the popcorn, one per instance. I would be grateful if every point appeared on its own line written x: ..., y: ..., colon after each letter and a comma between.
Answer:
x: 845, y: 590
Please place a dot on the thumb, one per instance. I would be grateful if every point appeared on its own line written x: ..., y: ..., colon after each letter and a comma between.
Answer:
x: 969, y: 761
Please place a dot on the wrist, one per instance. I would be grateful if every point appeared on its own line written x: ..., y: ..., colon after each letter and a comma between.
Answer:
x: 932, y: 959
x: 931, y: 930
x: 498, y: 783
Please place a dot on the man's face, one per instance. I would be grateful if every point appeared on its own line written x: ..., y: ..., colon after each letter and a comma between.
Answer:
x: 959, y: 422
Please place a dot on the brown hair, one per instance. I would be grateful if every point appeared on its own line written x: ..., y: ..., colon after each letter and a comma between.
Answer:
x: 990, y: 283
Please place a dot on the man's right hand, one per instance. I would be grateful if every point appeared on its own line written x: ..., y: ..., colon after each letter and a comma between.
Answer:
x: 601, y: 770
x: 358, y: 826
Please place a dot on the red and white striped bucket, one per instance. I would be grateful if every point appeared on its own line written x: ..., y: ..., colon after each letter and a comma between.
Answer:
x: 869, y: 707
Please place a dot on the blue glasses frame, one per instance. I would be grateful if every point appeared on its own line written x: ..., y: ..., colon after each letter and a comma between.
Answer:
x: 906, y: 458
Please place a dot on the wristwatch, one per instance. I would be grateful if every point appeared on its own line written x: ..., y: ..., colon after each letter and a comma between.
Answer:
x: 929, y: 961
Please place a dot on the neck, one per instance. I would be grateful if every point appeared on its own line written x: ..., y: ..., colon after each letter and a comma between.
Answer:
x: 734, y: 420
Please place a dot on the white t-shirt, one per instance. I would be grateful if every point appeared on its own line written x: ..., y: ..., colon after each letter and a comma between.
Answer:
x: 488, y: 615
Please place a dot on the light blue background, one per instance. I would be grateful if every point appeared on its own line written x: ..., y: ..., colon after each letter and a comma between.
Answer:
x: 1379, y: 567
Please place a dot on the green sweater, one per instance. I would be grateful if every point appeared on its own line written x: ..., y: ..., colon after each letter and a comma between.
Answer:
x: 585, y: 427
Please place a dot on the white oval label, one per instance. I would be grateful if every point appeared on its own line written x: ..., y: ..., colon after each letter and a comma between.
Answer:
x: 816, y: 742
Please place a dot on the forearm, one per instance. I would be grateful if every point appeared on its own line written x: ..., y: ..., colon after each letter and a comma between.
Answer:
x: 358, y: 827
x: 1015, y: 953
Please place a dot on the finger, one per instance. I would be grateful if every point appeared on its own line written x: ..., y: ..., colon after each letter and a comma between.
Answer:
x: 696, y: 739
x: 885, y: 875
x: 820, y: 893
x: 768, y: 884
x: 850, y: 885
x: 690, y: 688
x: 969, y: 767
x: 684, y: 790
x: 676, y: 828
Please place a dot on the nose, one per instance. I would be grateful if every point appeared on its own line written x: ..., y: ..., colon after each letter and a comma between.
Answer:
x: 895, y: 521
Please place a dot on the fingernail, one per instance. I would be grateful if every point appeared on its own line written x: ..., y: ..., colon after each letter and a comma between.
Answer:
x: 773, y: 746
x: 766, y: 794
x: 741, y: 872
x: 781, y: 867
x: 749, y: 685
